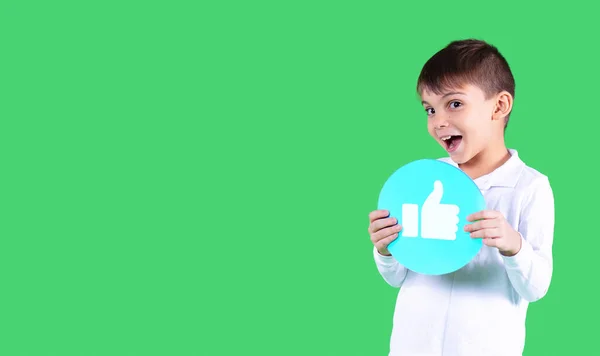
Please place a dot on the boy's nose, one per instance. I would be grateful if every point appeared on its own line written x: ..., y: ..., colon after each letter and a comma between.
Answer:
x: 440, y: 122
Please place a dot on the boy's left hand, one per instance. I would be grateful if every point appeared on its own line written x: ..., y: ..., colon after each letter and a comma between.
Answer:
x: 495, y: 231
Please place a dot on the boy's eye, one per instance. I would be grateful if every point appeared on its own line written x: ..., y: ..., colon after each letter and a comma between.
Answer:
x: 455, y: 104
x: 430, y: 111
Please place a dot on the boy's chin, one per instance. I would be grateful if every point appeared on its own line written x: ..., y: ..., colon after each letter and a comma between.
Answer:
x: 459, y: 157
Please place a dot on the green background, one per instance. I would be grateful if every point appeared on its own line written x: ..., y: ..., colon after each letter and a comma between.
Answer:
x: 194, y: 178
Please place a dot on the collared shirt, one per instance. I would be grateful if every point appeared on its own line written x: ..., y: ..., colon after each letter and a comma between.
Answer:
x: 480, y: 310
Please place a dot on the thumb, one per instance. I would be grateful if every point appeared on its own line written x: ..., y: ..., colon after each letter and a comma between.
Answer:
x: 435, y: 197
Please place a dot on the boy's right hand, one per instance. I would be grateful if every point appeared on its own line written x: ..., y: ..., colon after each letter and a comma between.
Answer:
x: 383, y: 230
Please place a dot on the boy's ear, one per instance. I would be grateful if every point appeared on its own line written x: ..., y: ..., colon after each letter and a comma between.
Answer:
x: 504, y: 103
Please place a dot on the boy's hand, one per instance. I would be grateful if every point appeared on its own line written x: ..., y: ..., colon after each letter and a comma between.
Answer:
x: 495, y: 231
x: 383, y: 230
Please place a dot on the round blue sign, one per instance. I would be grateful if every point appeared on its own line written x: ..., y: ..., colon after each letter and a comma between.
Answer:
x: 431, y: 200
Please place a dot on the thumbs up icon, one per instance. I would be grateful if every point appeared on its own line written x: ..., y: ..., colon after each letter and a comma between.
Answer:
x: 438, y: 221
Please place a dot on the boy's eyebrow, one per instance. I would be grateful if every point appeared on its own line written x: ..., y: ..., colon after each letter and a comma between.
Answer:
x: 445, y: 95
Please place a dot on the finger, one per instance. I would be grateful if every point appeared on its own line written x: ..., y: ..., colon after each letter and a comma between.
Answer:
x: 484, y: 214
x: 491, y: 242
x: 385, y: 233
x: 378, y: 214
x: 491, y: 233
x: 481, y: 224
x: 383, y: 243
x: 381, y: 224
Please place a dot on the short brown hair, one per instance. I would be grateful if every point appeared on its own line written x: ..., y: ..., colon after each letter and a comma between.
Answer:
x: 468, y: 61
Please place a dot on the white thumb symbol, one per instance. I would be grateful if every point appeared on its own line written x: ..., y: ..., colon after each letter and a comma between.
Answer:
x: 438, y: 221
x: 435, y: 197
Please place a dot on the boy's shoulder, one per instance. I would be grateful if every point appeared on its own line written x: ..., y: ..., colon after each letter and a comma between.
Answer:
x: 528, y: 178
x: 530, y: 175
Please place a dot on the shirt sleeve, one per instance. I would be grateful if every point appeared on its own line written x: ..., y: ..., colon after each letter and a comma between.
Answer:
x: 530, y: 270
x: 390, y: 269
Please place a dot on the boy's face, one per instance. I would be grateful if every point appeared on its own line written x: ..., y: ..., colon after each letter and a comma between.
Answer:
x: 460, y: 120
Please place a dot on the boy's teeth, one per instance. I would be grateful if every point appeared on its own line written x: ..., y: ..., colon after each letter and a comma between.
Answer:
x: 446, y: 138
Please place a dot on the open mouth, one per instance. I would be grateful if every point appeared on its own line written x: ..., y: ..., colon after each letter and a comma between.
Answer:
x: 452, y: 142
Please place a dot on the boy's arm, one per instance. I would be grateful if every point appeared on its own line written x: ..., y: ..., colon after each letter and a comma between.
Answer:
x: 390, y: 269
x: 530, y: 270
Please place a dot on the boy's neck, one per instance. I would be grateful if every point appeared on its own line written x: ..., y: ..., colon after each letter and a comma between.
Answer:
x: 486, y: 161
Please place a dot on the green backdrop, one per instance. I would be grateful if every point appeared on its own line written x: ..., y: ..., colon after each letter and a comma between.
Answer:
x: 194, y: 178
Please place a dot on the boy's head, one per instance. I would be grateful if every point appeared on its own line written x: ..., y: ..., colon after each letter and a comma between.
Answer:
x: 467, y: 90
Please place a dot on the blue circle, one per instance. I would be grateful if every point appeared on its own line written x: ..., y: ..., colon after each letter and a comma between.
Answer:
x: 412, y: 184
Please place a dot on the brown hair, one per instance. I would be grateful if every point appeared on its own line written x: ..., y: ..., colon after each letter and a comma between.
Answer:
x: 467, y: 61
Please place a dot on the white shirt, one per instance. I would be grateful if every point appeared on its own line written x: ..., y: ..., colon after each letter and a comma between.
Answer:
x: 480, y: 309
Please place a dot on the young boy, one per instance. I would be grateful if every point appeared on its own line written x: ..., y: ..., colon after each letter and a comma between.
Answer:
x: 467, y: 91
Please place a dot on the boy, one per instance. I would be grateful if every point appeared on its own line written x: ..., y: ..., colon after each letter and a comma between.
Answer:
x: 467, y: 90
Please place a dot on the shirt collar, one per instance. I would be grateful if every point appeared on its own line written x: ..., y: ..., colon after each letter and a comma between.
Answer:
x: 506, y: 175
